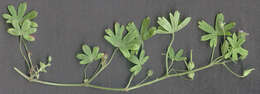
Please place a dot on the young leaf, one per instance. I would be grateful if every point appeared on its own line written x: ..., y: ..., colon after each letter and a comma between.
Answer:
x: 89, y: 56
x: 43, y: 67
x: 220, y: 30
x: 236, y: 48
x: 176, y: 57
x: 149, y: 73
x: 224, y: 47
x: 16, y: 15
x: 125, y: 43
x: 138, y: 61
x: 166, y: 27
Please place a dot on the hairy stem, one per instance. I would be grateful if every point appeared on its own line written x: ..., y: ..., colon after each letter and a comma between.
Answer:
x: 167, y: 54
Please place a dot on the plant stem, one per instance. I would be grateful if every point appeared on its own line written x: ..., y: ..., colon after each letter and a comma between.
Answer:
x: 22, y: 53
x: 130, y: 80
x: 212, y: 53
x: 143, y: 80
x: 103, y: 67
x: 27, y: 51
x: 237, y: 75
x: 115, y: 89
x: 84, y: 71
x: 167, y: 54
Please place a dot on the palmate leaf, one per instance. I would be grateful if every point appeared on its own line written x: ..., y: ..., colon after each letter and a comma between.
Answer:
x: 176, y: 57
x: 220, y: 29
x: 138, y: 61
x: 131, y: 41
x: 166, y: 27
x: 19, y: 15
x: 146, y: 31
x: 88, y: 56
x: 235, y: 47
x: 25, y: 30
x: 22, y: 24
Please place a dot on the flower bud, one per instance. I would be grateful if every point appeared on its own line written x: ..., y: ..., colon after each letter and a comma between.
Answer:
x: 49, y: 58
x: 150, y: 73
x: 247, y: 72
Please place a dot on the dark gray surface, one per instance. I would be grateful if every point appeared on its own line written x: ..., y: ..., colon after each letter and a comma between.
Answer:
x: 66, y: 24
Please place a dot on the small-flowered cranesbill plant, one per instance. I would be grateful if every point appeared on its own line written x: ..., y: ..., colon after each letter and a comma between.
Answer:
x: 129, y: 41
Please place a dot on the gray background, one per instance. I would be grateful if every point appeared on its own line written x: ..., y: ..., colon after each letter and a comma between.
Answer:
x: 64, y: 25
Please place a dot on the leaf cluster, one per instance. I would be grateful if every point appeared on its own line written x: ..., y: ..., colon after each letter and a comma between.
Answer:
x: 88, y: 55
x: 221, y: 29
x: 233, y: 48
x: 22, y: 23
x: 174, y: 25
x: 138, y: 61
x: 176, y: 56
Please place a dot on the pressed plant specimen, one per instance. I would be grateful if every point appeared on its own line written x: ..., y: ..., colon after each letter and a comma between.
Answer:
x: 129, y: 41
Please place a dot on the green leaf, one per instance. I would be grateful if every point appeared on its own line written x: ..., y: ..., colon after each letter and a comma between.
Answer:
x: 12, y: 10
x: 224, y: 47
x: 88, y: 56
x: 184, y: 23
x: 138, y: 61
x: 175, y: 19
x: 147, y: 32
x: 179, y: 53
x: 6, y: 16
x: 219, y: 22
x: 22, y: 26
x: 43, y: 67
x: 13, y: 32
x: 236, y: 51
x: 247, y: 72
x: 28, y: 37
x: 213, y: 33
x: 31, y: 15
x: 171, y: 54
x: 163, y: 22
x: 86, y: 49
x: 229, y: 26
x: 81, y: 56
x: 21, y: 9
x: 177, y: 56
x: 206, y: 27
x: 136, y: 69
x: 166, y: 27
x: 131, y: 41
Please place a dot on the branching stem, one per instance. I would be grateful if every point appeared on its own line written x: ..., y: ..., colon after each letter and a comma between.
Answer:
x: 167, y: 54
x: 117, y: 89
x: 22, y: 53
x: 103, y: 67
